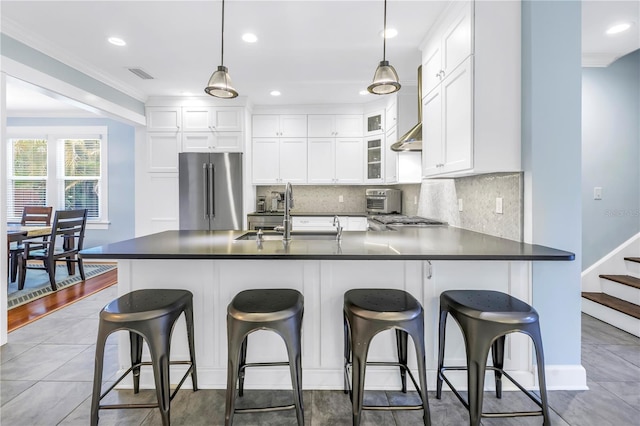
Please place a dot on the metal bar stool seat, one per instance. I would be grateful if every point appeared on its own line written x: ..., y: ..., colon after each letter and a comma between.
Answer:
x: 148, y: 315
x: 278, y: 310
x: 485, y: 317
x: 367, y: 312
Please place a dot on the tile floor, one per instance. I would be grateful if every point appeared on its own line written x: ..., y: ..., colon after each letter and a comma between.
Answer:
x: 47, y: 367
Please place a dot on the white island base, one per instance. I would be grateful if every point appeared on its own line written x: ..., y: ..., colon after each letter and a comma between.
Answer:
x: 323, y: 283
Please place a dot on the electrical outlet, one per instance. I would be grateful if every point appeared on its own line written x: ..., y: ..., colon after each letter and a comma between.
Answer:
x: 340, y: 199
x: 415, y: 199
x: 499, y: 205
x: 459, y: 204
x: 597, y: 193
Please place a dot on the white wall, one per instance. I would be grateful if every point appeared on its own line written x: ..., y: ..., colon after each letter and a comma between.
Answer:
x: 610, y: 156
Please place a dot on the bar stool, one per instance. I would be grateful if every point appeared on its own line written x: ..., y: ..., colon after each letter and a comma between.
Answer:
x: 148, y: 315
x: 279, y: 310
x: 485, y: 317
x: 367, y: 312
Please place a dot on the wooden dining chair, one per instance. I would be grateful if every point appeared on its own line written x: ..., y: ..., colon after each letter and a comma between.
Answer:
x: 66, y: 240
x: 31, y: 216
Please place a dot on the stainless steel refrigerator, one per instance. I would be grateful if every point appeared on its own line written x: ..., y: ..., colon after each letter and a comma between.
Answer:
x: 210, y: 191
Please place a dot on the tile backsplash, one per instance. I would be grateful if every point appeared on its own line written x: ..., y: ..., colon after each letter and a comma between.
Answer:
x: 325, y: 198
x: 439, y: 198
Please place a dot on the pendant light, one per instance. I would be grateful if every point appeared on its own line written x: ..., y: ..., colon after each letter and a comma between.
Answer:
x: 385, y: 80
x: 220, y: 84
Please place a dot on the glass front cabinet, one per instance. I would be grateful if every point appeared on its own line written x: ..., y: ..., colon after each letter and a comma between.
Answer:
x: 375, y: 159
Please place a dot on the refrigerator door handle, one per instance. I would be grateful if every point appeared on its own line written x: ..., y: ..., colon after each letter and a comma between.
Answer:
x: 205, y: 190
x: 212, y: 211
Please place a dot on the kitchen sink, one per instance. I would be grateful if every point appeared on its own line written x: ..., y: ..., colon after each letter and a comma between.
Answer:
x: 299, y: 235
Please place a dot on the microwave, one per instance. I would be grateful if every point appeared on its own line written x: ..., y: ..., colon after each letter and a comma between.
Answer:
x: 384, y: 201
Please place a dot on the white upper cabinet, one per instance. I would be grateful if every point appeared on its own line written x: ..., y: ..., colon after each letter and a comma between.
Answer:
x: 471, y: 107
x: 212, y: 141
x: 164, y: 119
x: 346, y: 125
x: 335, y: 161
x: 390, y: 157
x: 449, y: 44
x: 279, y: 160
x: 285, y: 126
x: 200, y: 119
x: 374, y: 123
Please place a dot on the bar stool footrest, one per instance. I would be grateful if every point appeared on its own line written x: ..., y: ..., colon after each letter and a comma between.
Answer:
x: 386, y: 364
x: 129, y: 370
x: 265, y: 409
x: 530, y: 394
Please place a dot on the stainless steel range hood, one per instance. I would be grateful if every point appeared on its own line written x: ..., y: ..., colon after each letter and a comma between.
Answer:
x: 412, y: 140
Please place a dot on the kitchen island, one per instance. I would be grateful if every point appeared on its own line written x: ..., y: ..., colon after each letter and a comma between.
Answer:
x: 216, y: 265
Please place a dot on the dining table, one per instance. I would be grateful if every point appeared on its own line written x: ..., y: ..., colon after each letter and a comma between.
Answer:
x: 17, y: 233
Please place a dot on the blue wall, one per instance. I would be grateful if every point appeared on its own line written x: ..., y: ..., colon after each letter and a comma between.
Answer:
x: 121, y: 143
x: 551, y: 145
x: 610, y: 156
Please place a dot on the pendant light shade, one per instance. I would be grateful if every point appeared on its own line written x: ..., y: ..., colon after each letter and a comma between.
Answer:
x: 220, y: 84
x: 385, y: 80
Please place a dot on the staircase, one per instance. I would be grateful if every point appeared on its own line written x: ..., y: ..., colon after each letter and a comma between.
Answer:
x: 618, y: 302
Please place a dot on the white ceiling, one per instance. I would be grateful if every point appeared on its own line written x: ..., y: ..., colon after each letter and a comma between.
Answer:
x: 314, y: 52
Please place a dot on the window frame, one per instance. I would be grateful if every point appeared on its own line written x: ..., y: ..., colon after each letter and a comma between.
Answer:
x: 55, y: 137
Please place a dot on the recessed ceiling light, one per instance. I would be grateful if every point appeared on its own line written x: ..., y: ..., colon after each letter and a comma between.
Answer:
x: 364, y: 92
x: 116, y: 41
x: 275, y: 93
x: 249, y: 38
x: 618, y: 28
x: 391, y: 33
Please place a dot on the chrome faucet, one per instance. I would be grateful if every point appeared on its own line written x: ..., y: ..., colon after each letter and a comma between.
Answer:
x: 336, y: 223
x: 286, y: 223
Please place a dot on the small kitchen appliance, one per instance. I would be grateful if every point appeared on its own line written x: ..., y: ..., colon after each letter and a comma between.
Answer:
x: 384, y: 200
x: 261, y: 204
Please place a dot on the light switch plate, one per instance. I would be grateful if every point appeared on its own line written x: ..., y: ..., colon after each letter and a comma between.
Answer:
x: 459, y: 204
x: 597, y: 193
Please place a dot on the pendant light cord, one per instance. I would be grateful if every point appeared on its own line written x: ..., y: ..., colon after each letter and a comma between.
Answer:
x: 222, y: 49
x: 384, y: 33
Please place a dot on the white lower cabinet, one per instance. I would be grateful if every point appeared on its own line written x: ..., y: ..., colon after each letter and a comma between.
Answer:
x: 279, y: 160
x: 335, y: 160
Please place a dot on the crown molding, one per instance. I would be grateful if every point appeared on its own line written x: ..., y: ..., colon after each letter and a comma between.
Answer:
x: 20, y: 33
x: 598, y: 60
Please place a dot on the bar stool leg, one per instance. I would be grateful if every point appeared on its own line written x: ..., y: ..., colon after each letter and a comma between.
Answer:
x: 188, y: 316
x: 347, y: 352
x: 291, y: 335
x: 97, y: 373
x: 477, y: 354
x: 360, y: 348
x: 136, y: 357
x: 417, y: 334
x: 401, y: 342
x: 159, y: 349
x: 243, y: 362
x: 497, y: 355
x: 534, y: 332
x: 442, y: 325
x: 234, y: 341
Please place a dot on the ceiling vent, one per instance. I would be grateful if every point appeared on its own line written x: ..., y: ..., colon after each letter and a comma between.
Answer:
x: 141, y: 73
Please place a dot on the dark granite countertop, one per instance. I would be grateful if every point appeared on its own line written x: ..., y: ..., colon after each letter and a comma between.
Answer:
x: 428, y: 243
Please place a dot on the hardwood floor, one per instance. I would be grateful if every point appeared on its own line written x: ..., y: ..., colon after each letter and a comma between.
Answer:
x: 29, y: 312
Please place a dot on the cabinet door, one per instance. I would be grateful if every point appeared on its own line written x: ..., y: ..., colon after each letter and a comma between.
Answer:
x: 354, y: 223
x: 432, y: 133
x: 349, y: 164
x: 293, y: 160
x: 266, y: 126
x: 162, y: 151
x: 374, y: 159
x: 228, y: 142
x: 348, y: 126
x: 457, y: 40
x: 293, y: 126
x: 391, y: 116
x: 161, y: 119
x: 227, y: 119
x: 321, y: 163
x: 197, y: 119
x: 312, y: 223
x: 390, y: 157
x: 197, y: 141
x: 374, y: 123
x: 320, y: 126
x: 266, y: 160
x: 457, y: 104
x: 432, y: 65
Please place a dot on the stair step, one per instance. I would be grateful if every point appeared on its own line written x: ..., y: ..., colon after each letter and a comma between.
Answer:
x: 623, y: 279
x: 614, y: 303
x: 633, y: 259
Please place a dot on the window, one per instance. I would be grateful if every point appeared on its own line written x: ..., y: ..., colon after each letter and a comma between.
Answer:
x: 60, y: 167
